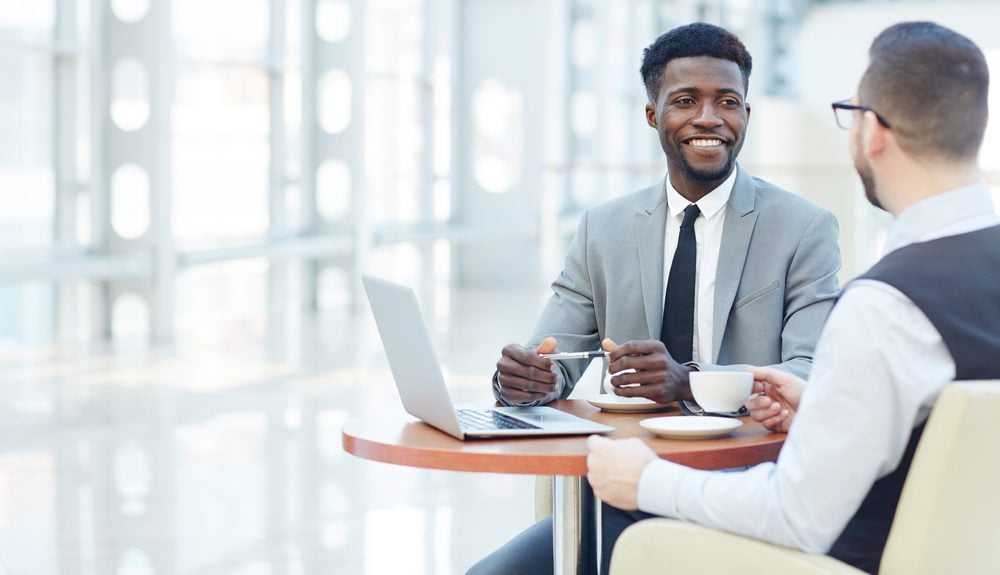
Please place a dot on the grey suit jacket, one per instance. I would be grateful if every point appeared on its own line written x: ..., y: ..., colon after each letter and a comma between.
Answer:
x: 775, y: 283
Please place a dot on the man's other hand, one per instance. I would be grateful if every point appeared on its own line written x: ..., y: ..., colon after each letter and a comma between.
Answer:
x: 645, y: 369
x: 614, y: 468
x: 782, y: 392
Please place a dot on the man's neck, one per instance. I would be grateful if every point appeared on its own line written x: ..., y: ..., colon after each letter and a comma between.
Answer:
x: 921, y: 180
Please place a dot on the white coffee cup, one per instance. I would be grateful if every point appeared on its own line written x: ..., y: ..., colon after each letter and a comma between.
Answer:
x: 721, y: 391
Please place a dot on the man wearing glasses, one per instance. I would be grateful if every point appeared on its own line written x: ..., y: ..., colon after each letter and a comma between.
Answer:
x: 924, y: 315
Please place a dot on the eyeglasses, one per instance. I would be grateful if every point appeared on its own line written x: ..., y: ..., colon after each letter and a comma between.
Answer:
x: 844, y: 110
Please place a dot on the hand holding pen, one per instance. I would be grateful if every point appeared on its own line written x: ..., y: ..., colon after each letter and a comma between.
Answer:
x: 524, y: 375
x: 588, y: 355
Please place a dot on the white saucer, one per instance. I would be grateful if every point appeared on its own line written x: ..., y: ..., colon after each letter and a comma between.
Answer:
x: 689, y: 427
x: 619, y: 404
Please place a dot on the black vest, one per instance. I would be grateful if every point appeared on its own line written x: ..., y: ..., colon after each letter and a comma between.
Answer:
x: 955, y: 282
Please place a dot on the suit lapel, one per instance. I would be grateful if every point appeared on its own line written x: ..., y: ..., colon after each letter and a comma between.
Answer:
x: 650, y: 221
x: 741, y: 216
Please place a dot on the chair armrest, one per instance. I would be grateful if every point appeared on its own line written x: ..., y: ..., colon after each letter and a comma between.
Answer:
x: 678, y: 547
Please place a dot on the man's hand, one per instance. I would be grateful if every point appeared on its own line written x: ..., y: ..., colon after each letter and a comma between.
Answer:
x: 614, y: 468
x: 523, y: 375
x: 775, y: 410
x: 649, y: 371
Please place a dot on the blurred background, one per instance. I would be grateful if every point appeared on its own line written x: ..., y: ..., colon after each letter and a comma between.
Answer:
x: 190, y: 190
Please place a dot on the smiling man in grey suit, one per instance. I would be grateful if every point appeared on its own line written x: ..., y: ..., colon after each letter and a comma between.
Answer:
x: 746, y: 276
x: 766, y: 259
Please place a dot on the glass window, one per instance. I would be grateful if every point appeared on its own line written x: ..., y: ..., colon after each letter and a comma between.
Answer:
x: 333, y: 190
x: 26, y: 174
x: 585, y: 44
x: 129, y: 11
x: 333, y: 20
x: 221, y: 29
x: 27, y: 20
x: 26, y: 314
x: 130, y: 201
x: 334, y: 101
x: 129, y: 94
x: 219, y: 153
x: 498, y: 135
x: 394, y: 121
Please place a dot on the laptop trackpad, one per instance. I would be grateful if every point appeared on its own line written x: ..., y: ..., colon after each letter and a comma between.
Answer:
x: 538, y: 414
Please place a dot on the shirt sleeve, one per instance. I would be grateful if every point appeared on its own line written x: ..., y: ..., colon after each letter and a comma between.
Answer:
x: 880, y: 365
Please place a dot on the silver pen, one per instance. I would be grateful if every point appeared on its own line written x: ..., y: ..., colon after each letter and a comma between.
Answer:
x: 575, y: 354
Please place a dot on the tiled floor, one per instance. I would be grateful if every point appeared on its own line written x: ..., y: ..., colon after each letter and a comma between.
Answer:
x: 227, y: 458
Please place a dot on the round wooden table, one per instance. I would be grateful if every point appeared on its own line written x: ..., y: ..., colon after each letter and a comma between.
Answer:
x: 396, y: 437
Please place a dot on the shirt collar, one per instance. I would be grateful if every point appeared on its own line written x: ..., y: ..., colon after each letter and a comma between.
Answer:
x: 710, y: 204
x: 966, y: 207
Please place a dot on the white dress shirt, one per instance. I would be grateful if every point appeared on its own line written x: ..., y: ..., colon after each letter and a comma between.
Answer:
x: 879, y: 367
x: 708, y: 238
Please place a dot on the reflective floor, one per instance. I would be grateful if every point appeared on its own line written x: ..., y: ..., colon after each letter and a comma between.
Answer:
x: 226, y: 457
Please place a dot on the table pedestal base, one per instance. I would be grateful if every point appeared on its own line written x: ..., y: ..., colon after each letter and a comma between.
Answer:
x: 574, y: 533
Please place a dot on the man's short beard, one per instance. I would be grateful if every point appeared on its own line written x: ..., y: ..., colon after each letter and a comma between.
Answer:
x: 868, y: 181
x: 704, y: 176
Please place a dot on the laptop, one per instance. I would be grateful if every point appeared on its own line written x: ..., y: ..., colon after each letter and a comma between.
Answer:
x: 422, y: 388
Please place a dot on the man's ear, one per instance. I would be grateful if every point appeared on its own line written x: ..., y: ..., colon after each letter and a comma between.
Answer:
x: 748, y: 111
x: 873, y: 135
x: 650, y: 115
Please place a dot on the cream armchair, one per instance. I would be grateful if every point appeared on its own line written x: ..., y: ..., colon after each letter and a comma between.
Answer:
x: 948, y: 519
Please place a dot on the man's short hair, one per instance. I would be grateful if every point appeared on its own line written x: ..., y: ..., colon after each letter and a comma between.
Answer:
x: 698, y: 39
x: 931, y: 84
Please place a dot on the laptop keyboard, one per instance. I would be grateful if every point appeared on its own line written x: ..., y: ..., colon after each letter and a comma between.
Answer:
x: 483, y: 419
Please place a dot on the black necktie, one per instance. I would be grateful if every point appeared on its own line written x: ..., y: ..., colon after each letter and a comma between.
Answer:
x: 677, y: 332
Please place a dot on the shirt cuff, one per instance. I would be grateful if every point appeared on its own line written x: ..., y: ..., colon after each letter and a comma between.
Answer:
x: 555, y: 395
x: 658, y: 487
